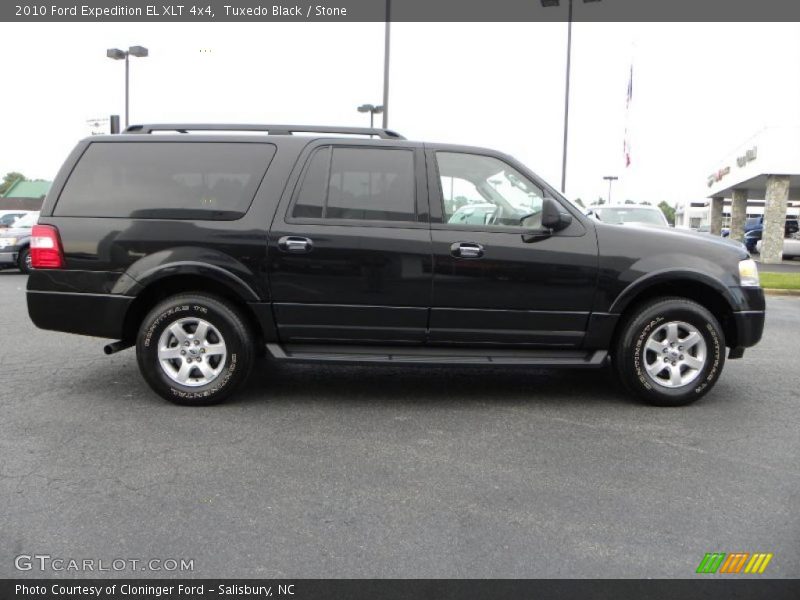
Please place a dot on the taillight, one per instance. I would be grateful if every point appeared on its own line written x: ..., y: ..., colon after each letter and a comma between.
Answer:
x: 46, y: 252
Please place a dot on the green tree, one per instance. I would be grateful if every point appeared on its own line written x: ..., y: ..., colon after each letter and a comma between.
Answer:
x: 579, y: 202
x: 629, y: 201
x: 600, y: 201
x: 9, y: 180
x: 669, y: 211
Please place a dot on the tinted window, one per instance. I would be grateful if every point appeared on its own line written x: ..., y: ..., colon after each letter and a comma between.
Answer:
x: 170, y: 180
x: 311, y: 197
x: 9, y: 219
x: 360, y: 184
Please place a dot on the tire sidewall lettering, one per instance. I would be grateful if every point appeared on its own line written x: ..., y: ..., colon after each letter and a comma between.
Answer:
x: 158, y: 320
x: 638, y: 354
x: 223, y: 381
x: 712, y: 371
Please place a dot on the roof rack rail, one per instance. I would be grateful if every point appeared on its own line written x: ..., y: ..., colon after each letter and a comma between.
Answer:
x: 386, y: 134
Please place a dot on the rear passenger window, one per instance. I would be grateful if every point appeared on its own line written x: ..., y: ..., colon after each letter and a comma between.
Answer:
x: 311, y: 198
x: 165, y: 180
x: 364, y: 184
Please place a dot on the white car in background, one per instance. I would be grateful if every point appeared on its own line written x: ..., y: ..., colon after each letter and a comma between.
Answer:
x: 791, y: 247
x: 629, y: 214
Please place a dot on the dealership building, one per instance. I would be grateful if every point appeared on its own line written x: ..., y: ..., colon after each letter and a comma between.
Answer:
x: 761, y: 177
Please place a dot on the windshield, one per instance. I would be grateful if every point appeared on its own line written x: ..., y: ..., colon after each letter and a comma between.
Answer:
x: 631, y: 215
x: 26, y: 221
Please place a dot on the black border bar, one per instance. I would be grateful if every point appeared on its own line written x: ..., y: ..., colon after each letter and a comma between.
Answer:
x: 401, y: 10
x: 733, y: 588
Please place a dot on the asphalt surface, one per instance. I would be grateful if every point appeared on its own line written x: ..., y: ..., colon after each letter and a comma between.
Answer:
x: 787, y: 265
x: 389, y: 472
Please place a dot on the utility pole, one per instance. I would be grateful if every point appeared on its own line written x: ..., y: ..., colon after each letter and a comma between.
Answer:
x: 386, y: 48
x: 611, y: 179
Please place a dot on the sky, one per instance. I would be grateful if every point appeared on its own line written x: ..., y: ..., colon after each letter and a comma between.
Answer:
x: 699, y: 89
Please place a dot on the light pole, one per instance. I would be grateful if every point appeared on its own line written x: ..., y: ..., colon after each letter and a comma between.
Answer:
x: 548, y: 4
x: 372, y: 110
x: 117, y: 54
x: 386, y: 47
x: 611, y: 179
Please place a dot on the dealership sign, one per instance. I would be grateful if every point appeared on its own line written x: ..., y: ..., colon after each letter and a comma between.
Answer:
x: 741, y: 161
x: 718, y: 175
x: 747, y: 157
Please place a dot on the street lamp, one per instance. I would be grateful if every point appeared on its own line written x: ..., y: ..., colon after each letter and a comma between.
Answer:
x: 372, y: 110
x: 611, y: 179
x: 117, y: 54
x: 548, y: 4
x: 386, y: 47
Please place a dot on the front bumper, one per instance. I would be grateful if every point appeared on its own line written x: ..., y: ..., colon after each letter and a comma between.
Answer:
x: 749, y: 327
x: 7, y: 257
x: 748, y: 321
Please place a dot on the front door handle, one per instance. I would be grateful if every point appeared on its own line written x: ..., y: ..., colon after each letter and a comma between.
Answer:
x: 466, y: 250
x: 295, y: 244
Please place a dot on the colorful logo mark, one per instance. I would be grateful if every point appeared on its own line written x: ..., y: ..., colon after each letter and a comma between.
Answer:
x: 735, y: 562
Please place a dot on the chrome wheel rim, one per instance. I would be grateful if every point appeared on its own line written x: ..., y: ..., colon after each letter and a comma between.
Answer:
x: 192, y: 352
x: 28, y: 261
x: 675, y: 354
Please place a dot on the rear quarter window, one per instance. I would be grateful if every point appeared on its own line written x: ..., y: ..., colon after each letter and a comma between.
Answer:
x: 165, y: 180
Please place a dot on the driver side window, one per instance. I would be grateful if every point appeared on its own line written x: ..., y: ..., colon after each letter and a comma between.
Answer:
x: 485, y: 191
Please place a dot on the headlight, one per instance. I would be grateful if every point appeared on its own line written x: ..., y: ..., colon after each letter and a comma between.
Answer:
x: 748, y: 273
x: 8, y: 241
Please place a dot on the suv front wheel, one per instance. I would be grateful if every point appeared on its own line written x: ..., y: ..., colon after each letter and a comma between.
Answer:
x: 194, y: 349
x: 671, y: 352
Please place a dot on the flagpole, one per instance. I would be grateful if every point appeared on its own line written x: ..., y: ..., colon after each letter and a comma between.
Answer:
x: 627, y: 138
x: 566, y: 102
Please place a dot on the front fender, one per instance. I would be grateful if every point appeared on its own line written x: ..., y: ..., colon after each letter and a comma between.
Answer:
x: 672, y: 274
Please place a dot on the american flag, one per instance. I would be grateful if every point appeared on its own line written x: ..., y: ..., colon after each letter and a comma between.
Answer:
x: 627, y: 142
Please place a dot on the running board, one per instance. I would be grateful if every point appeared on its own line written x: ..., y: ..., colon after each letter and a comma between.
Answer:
x: 439, y: 356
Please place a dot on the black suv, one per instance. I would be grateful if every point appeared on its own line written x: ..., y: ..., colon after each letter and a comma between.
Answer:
x: 208, y: 245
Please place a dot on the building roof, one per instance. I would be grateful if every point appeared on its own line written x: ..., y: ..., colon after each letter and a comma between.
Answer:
x: 28, y: 189
x: 772, y: 151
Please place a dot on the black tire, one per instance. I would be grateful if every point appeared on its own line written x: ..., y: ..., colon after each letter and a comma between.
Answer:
x: 224, y: 320
x: 24, y: 260
x: 631, y: 357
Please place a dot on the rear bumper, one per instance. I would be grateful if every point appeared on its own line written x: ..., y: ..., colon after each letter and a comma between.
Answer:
x: 99, y: 315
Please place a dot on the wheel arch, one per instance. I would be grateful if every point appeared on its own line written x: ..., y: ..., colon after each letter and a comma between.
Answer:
x: 706, y: 291
x: 188, y: 281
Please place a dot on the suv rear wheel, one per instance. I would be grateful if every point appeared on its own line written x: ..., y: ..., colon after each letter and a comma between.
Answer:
x: 194, y: 349
x: 671, y: 352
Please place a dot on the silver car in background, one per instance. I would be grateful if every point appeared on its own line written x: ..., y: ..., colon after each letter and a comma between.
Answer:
x: 629, y: 214
x: 15, y: 242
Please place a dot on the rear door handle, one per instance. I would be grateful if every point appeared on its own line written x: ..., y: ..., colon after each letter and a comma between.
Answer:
x: 466, y: 250
x: 295, y: 244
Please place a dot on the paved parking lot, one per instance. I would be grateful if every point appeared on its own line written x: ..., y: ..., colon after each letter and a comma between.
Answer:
x: 388, y: 472
x: 785, y: 266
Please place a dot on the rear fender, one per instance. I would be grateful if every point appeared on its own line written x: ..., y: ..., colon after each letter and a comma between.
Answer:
x: 202, y: 262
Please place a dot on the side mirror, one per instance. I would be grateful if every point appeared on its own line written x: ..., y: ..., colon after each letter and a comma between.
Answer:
x: 553, y: 216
